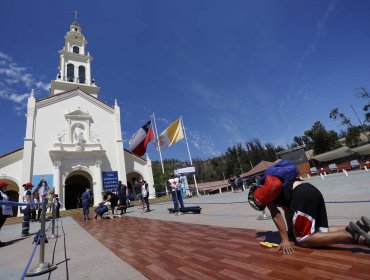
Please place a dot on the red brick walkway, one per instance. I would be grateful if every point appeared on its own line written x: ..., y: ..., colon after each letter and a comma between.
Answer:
x: 172, y: 250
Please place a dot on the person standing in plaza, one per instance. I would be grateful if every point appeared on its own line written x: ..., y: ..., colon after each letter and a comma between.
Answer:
x: 5, y: 210
x: 144, y: 194
x: 85, y: 200
x: 57, y: 206
x: 174, y: 184
x: 122, y: 196
x: 26, y: 209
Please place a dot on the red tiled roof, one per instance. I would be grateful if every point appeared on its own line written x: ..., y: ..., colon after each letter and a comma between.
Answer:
x: 211, y: 185
x: 259, y: 168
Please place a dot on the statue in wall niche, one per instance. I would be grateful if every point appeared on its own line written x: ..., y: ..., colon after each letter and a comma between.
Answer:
x: 79, y: 135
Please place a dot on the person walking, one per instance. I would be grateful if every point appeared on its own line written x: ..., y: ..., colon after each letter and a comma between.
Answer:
x: 5, y: 210
x: 85, y: 200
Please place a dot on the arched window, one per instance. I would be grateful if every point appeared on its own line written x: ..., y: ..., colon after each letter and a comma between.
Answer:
x: 70, y: 72
x: 76, y: 49
x: 81, y: 74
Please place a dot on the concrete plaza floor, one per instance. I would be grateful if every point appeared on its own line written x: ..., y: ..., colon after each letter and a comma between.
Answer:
x: 347, y: 199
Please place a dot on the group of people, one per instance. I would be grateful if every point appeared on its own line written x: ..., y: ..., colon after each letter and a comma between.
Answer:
x: 236, y: 182
x: 30, y: 212
x: 116, y: 200
x: 41, y: 194
x: 304, y: 222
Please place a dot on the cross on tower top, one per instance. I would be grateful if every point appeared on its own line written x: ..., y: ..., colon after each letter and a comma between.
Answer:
x: 76, y: 15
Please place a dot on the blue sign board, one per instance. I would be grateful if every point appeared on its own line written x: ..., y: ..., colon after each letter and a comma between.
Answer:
x: 110, y: 180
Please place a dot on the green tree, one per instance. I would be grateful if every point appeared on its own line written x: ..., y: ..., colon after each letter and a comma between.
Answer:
x: 364, y: 94
x: 353, y: 137
x: 323, y: 140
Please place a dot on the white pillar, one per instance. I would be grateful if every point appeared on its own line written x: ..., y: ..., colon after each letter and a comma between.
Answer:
x: 120, y: 157
x: 56, y: 180
x: 98, y: 187
x: 29, y: 145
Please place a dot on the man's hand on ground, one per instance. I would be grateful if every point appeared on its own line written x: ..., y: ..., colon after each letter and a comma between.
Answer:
x: 286, y: 247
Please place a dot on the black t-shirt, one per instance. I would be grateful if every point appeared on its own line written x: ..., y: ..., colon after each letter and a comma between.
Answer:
x: 122, y: 191
x: 114, y: 198
x: 285, y: 196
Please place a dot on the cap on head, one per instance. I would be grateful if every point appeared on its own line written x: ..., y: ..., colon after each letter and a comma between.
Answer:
x: 259, y: 197
x: 28, y: 185
x: 252, y: 201
x: 3, y: 184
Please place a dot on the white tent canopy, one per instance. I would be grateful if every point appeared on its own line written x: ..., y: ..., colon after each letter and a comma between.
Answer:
x: 331, y: 155
x: 362, y: 150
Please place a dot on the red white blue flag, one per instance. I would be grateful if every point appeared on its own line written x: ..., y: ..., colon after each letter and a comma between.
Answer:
x: 141, y: 138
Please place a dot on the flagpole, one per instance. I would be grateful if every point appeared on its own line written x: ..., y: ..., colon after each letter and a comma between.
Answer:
x: 191, y: 161
x: 159, y: 147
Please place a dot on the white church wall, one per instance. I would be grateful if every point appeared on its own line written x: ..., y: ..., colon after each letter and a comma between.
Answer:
x: 51, y: 121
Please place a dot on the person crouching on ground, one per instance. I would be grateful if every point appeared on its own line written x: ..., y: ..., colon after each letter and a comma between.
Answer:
x: 111, y: 197
x: 305, y: 211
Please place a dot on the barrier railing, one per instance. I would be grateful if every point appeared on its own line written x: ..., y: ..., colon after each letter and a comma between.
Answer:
x: 43, y: 267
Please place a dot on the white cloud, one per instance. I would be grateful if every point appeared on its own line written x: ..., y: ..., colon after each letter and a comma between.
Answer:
x: 213, y: 99
x: 17, y: 98
x: 14, y: 79
x: 4, y: 56
x: 202, y: 143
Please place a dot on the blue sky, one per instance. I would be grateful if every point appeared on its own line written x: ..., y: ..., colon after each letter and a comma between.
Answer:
x: 235, y: 70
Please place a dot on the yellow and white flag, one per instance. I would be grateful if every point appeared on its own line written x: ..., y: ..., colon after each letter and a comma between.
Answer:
x: 171, y: 135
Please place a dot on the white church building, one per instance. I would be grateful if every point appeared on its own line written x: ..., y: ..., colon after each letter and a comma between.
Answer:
x: 72, y: 138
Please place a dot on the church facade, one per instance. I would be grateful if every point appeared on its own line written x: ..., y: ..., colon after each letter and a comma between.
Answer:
x: 72, y: 138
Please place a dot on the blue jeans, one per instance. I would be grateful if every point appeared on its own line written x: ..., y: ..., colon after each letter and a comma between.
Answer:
x: 176, y: 198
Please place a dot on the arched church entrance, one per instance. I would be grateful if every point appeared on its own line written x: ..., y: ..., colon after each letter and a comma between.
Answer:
x: 13, y: 192
x: 75, y: 185
x: 132, y: 177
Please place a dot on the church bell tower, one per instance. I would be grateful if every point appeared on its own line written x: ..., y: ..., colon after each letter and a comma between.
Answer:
x: 75, y: 64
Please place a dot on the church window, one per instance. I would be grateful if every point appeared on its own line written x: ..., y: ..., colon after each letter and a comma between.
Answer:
x: 81, y: 74
x: 76, y: 49
x: 70, y: 72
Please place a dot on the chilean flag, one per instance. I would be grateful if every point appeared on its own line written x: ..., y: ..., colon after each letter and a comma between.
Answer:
x: 141, y: 138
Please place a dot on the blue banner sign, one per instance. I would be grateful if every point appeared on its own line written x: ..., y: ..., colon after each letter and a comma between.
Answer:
x: 110, y: 180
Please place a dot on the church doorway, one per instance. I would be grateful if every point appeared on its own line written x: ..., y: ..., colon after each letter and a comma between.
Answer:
x: 75, y: 185
x: 132, y: 179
